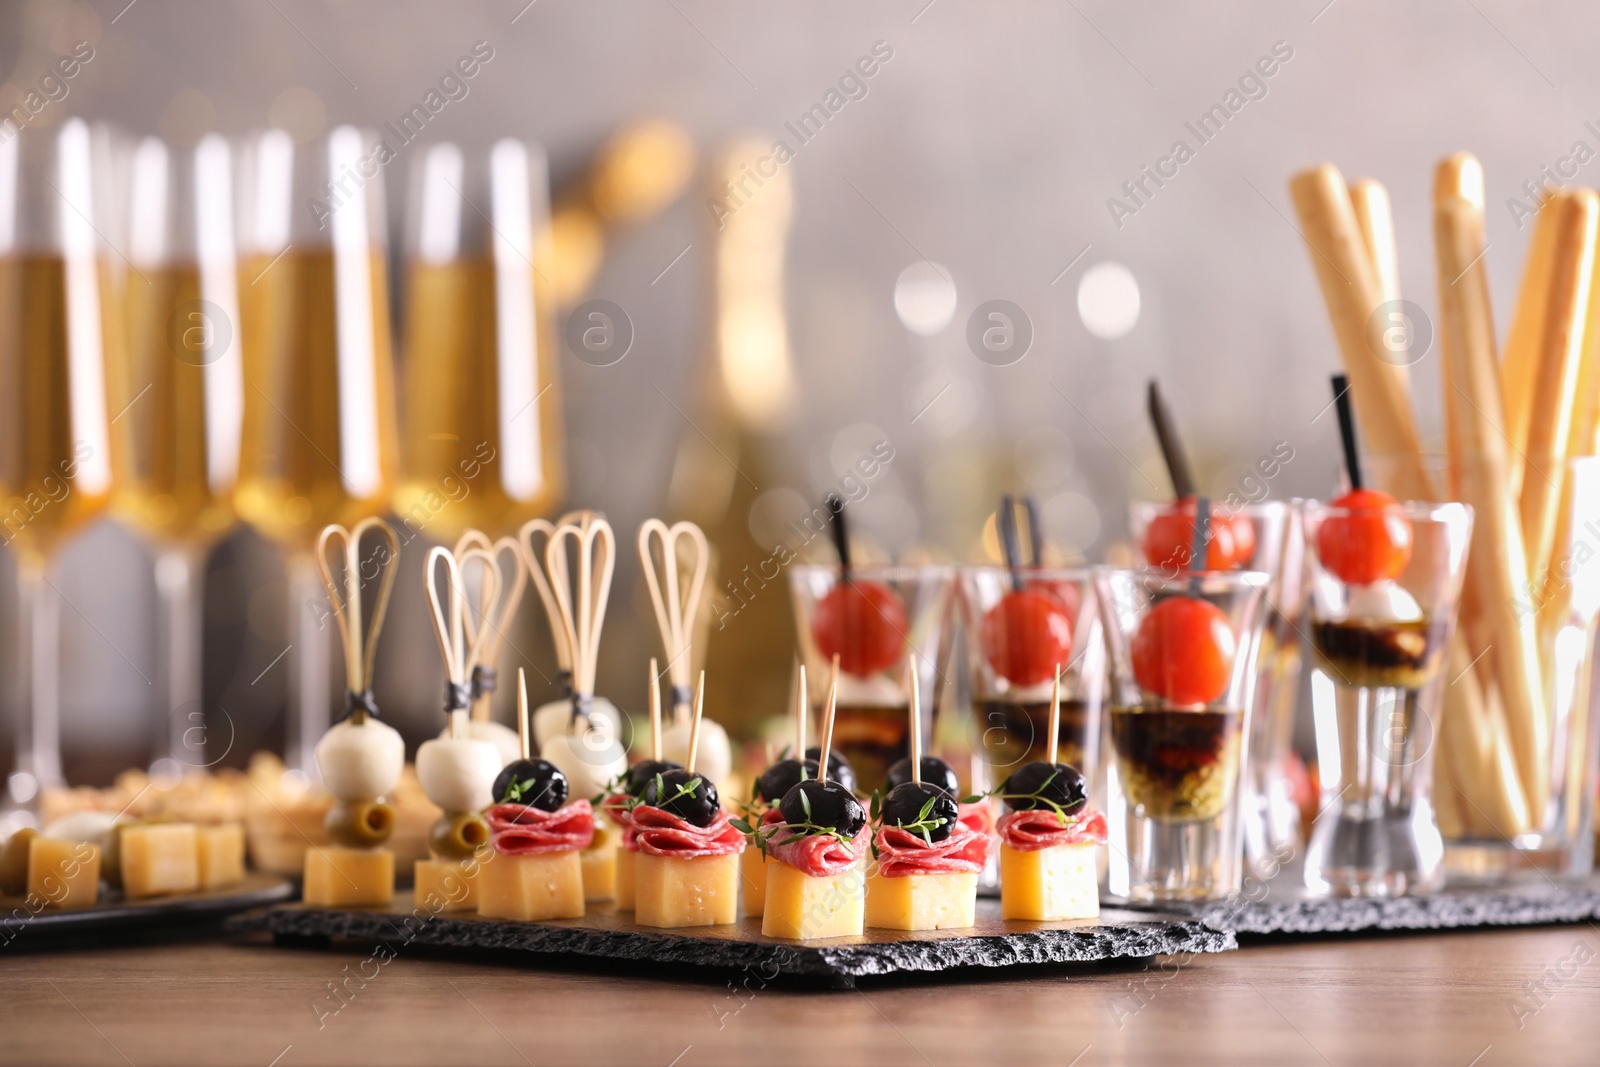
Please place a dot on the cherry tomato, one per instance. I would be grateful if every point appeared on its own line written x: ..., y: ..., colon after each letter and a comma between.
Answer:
x: 864, y: 624
x: 1183, y: 651
x: 1064, y: 593
x: 1027, y: 636
x: 1368, y: 542
x: 1169, y: 539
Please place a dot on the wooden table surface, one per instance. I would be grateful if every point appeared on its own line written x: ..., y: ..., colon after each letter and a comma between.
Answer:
x: 1455, y: 999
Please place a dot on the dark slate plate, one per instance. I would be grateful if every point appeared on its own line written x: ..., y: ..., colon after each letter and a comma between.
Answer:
x: 255, y: 891
x: 608, y: 934
x: 1283, y: 908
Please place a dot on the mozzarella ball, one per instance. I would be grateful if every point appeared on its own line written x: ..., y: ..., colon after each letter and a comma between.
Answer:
x: 591, y: 758
x: 504, y: 737
x: 555, y: 718
x: 91, y: 826
x: 361, y: 761
x: 715, y: 756
x: 1382, y: 601
x: 457, y: 773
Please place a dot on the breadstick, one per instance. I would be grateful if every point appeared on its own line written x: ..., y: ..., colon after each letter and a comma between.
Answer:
x: 1523, y: 342
x: 1460, y: 175
x: 1556, y: 374
x: 1370, y: 202
x: 1352, y: 292
x: 1496, y: 563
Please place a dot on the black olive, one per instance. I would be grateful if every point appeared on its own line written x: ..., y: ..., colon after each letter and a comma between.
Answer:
x: 670, y: 791
x: 1045, y: 786
x: 640, y: 773
x: 935, y: 771
x: 781, y: 777
x: 825, y: 804
x: 903, y: 807
x: 839, y: 768
x: 537, y: 783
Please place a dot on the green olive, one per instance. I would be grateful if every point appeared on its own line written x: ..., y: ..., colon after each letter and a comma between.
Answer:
x: 361, y: 825
x: 458, y: 836
x: 14, y: 862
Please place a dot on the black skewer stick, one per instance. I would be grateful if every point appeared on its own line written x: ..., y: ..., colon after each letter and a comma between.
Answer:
x: 1010, y: 542
x: 1201, y: 546
x: 1347, y: 429
x: 841, y: 534
x: 1171, y: 449
x: 1035, y: 532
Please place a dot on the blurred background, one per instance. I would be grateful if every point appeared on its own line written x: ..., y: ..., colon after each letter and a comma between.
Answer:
x: 994, y: 153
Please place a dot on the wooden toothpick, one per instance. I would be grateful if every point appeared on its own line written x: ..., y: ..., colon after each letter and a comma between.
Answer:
x: 916, y: 721
x: 827, y: 722
x: 522, y: 712
x: 1055, y: 716
x: 655, y: 712
x: 801, y: 711
x: 694, y: 723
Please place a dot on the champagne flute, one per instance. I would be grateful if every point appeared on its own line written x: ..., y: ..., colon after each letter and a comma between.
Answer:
x: 482, y: 437
x: 56, y: 333
x: 180, y: 392
x: 318, y: 442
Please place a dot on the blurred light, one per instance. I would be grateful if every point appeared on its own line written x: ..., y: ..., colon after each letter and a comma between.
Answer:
x: 771, y: 511
x: 851, y: 445
x: 641, y: 170
x: 925, y: 298
x: 22, y: 786
x: 1108, y: 300
x: 1071, y: 519
x: 299, y: 111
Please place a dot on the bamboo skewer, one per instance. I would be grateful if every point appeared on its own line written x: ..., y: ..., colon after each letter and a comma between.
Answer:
x: 484, y: 672
x: 694, y: 723
x: 1479, y: 472
x: 360, y: 645
x: 916, y: 720
x: 676, y: 607
x: 800, y: 712
x: 1055, y: 717
x: 827, y: 722
x: 1353, y: 292
x: 523, y: 740
x: 655, y: 711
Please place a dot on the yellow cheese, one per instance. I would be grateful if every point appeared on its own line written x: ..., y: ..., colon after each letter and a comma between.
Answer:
x: 1049, y: 884
x: 599, y: 865
x: 160, y: 858
x: 805, y: 908
x: 922, y: 901
x: 221, y: 855
x: 63, y: 874
x: 700, y: 891
x: 452, y: 885
x: 341, y: 877
x: 548, y: 885
x: 753, y: 880
x: 625, y: 879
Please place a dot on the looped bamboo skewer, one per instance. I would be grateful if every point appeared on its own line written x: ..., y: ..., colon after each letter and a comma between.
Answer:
x: 448, y: 627
x: 534, y: 560
x: 675, y: 606
x: 483, y: 675
x: 582, y: 610
x: 360, y: 645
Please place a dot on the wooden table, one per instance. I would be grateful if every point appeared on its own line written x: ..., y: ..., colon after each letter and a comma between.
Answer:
x: 1449, y: 999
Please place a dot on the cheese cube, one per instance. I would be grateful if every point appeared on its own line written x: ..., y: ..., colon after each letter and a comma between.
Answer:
x: 669, y: 891
x: 221, y: 854
x: 342, y: 877
x: 160, y: 858
x: 548, y: 885
x: 922, y: 901
x: 753, y: 880
x: 625, y: 879
x: 63, y: 874
x: 450, y: 884
x: 599, y: 865
x: 805, y: 908
x: 1049, y: 884
x: 14, y: 862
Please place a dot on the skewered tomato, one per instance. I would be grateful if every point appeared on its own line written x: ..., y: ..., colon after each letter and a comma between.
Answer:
x: 1370, y: 540
x: 1027, y: 636
x: 1169, y: 539
x: 864, y: 624
x: 1184, y: 650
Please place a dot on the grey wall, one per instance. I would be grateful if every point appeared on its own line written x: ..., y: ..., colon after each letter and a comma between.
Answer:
x: 990, y: 144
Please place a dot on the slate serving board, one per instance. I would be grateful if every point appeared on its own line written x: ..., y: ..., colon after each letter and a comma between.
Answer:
x: 608, y: 934
x: 255, y: 891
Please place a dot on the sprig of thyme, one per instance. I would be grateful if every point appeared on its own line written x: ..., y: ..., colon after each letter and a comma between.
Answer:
x: 1062, y: 815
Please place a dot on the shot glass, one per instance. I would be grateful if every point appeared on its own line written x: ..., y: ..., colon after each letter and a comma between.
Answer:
x: 1272, y: 541
x: 877, y: 619
x: 1182, y: 657
x: 1019, y: 626
x: 1384, y: 592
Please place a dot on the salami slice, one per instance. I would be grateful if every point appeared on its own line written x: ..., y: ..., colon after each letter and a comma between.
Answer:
x: 901, y: 852
x: 661, y: 833
x: 818, y: 855
x: 521, y: 830
x: 1030, y: 831
x: 979, y: 816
